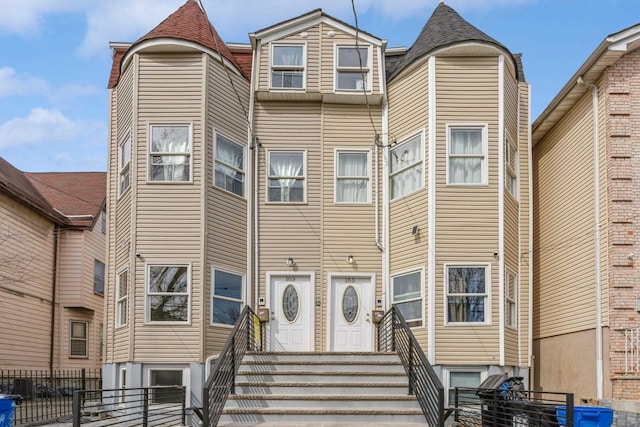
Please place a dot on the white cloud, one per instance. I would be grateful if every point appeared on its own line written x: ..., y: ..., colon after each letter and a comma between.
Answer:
x: 12, y: 83
x: 25, y: 17
x: 42, y: 126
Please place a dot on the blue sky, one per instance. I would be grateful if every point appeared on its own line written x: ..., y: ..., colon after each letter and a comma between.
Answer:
x: 55, y: 59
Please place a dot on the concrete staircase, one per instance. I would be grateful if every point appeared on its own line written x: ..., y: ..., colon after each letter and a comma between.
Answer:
x: 322, y: 389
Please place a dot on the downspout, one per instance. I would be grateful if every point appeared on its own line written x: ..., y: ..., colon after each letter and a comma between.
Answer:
x: 255, y: 146
x: 252, y: 211
x: 596, y: 237
x: 56, y: 230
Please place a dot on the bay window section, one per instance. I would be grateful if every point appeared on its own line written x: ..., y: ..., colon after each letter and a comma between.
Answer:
x: 287, y: 66
x: 229, y: 166
x: 79, y: 339
x: 467, y: 160
x: 510, y: 293
x: 122, y: 298
x: 407, y: 167
x: 352, y: 68
x: 227, y: 301
x: 467, y: 298
x: 511, y: 167
x: 168, y: 293
x: 352, y: 177
x: 407, y: 296
x: 124, y: 165
x: 170, y: 153
x: 286, y: 179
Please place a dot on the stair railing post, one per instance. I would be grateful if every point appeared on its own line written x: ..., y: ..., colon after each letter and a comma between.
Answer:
x: 145, y: 408
x: 411, y: 379
x: 393, y: 330
x: 233, y: 366
x: 205, y: 406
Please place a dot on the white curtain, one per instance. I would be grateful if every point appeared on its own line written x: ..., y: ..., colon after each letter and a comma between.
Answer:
x: 287, y: 55
x: 466, y: 143
x: 404, y: 178
x: 174, y: 140
x: 229, y: 164
x: 285, y: 167
x: 352, y: 178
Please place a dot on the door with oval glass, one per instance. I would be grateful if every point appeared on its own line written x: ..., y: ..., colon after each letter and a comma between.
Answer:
x: 352, y: 300
x: 291, y: 306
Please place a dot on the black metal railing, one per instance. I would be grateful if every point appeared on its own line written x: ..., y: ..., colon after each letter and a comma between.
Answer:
x: 144, y: 406
x: 246, y: 336
x: 394, y: 335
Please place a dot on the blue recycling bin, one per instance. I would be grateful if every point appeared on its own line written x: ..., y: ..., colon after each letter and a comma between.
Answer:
x: 7, y: 410
x: 586, y: 416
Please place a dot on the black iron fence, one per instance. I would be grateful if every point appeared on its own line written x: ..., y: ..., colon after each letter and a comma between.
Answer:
x: 43, y: 396
x: 146, y: 407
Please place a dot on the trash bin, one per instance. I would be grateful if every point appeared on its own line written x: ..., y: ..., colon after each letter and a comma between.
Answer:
x: 491, y: 402
x: 586, y: 416
x: 7, y: 408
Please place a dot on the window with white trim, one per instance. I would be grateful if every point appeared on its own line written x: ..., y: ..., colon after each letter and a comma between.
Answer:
x: 352, y: 68
x: 467, y: 297
x: 510, y: 293
x: 227, y: 299
x: 165, y: 378
x: 170, y: 153
x: 407, y: 296
x: 286, y: 179
x: 467, y: 157
x: 103, y: 221
x: 79, y: 339
x: 287, y: 66
x: 98, y: 277
x: 124, y: 165
x: 407, y: 167
x: 352, y: 177
x: 168, y: 293
x: 463, y: 378
x: 511, y: 167
x: 229, y: 165
x: 122, y: 298
x: 122, y: 383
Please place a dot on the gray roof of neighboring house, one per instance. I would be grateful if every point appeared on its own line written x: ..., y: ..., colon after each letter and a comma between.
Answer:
x: 446, y: 28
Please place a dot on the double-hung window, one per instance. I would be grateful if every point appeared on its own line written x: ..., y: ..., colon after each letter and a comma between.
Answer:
x: 229, y: 165
x: 79, y: 339
x: 168, y: 293
x: 352, y: 68
x: 464, y: 379
x: 165, y: 385
x: 407, y: 296
x: 124, y: 165
x: 286, y: 176
x: 467, y: 297
x: 227, y: 298
x: 407, y: 167
x: 98, y: 277
x: 510, y: 293
x: 170, y: 153
x: 352, y: 177
x: 467, y: 157
x: 287, y: 66
x: 511, y: 167
x: 122, y: 298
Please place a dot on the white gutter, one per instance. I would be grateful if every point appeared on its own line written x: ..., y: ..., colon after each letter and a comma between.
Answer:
x: 254, y: 145
x: 431, y: 214
x: 530, y: 247
x: 596, y: 238
x: 501, y: 191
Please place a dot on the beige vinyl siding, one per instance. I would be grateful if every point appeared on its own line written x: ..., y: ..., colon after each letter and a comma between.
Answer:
x: 26, y: 280
x: 564, y: 267
x: 168, y: 215
x: 226, y: 243
x: 467, y: 216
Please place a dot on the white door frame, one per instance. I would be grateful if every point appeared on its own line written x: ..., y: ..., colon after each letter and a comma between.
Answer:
x: 329, y: 302
x: 312, y: 280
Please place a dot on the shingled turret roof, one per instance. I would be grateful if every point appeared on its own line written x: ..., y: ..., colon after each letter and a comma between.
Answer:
x: 444, y: 28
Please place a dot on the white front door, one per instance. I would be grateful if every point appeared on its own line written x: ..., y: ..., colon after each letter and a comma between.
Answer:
x: 352, y: 300
x: 291, y: 306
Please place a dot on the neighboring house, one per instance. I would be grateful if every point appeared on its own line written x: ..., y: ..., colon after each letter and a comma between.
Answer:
x: 586, y: 167
x: 52, y: 269
x: 320, y: 175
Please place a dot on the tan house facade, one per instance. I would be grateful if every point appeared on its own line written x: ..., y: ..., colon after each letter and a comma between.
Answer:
x: 585, y: 168
x: 52, y: 269
x: 318, y: 174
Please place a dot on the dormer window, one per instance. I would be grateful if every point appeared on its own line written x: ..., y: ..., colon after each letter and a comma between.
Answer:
x: 352, y: 68
x: 287, y: 66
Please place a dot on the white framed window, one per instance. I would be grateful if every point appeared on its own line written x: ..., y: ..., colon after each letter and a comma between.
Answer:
x: 168, y: 296
x: 510, y: 295
x: 124, y: 165
x: 406, y: 295
x: 407, y: 166
x: 229, y: 165
x: 78, y: 339
x: 353, y: 184
x: 170, y: 153
x: 286, y: 180
x: 511, y: 166
x: 353, y: 68
x: 467, y: 154
x: 98, y: 277
x: 122, y: 383
x: 122, y: 298
x: 288, y: 66
x: 467, y: 294
x: 165, y: 377
x: 227, y: 297
x: 464, y: 377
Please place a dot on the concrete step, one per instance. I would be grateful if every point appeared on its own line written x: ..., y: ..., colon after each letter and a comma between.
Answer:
x: 322, y: 424
x: 323, y: 376
x: 297, y: 416
x: 252, y: 366
x: 368, y: 389
x: 298, y: 357
x: 322, y: 401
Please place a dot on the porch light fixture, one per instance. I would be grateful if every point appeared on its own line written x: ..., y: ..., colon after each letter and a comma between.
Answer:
x: 350, y: 259
x: 291, y: 262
